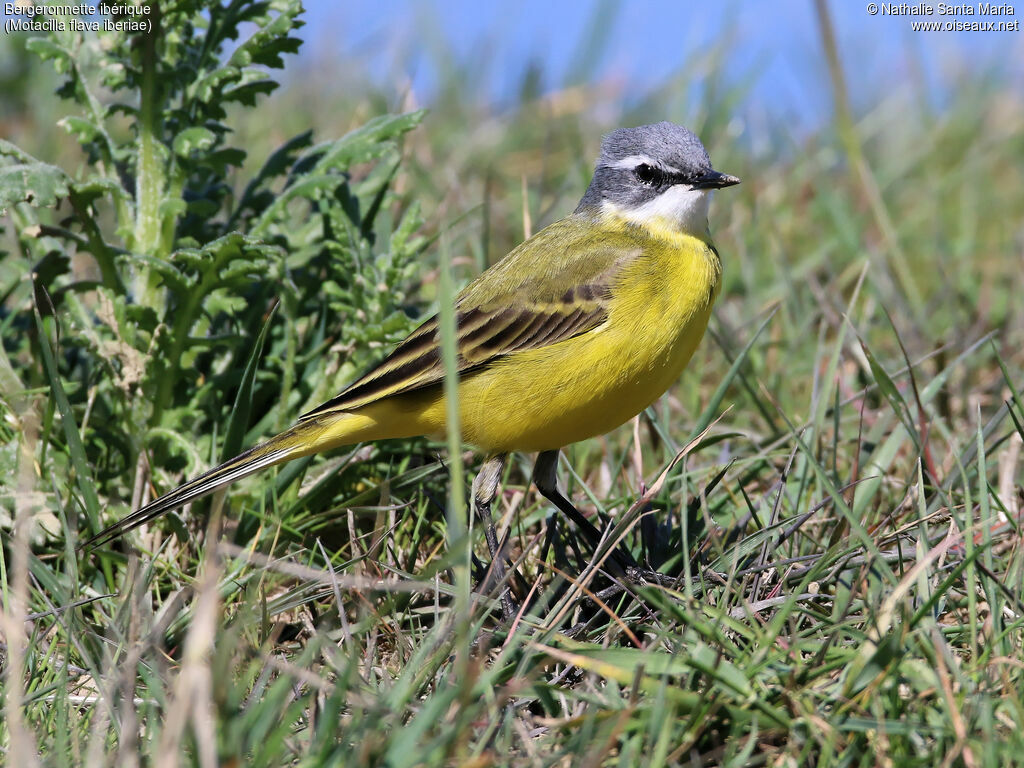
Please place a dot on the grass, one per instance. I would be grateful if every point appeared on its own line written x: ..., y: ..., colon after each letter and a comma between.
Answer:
x: 844, y: 540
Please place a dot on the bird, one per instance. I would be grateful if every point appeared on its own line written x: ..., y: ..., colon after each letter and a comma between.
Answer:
x: 578, y: 329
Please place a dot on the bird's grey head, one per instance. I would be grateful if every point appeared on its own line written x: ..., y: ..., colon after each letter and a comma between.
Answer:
x: 654, y: 172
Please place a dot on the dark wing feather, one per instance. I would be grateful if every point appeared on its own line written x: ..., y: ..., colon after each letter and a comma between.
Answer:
x: 483, y: 336
x: 508, y: 309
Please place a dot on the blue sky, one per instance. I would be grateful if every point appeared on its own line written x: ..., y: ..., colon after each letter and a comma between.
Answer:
x: 775, y: 47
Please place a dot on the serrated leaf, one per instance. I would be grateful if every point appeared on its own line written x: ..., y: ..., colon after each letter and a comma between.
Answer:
x: 411, y: 221
x: 39, y: 184
x: 307, y: 186
x: 364, y: 143
x: 7, y: 149
x: 248, y: 92
x: 194, y: 139
x: 83, y: 130
x: 205, y: 88
x: 87, y: 192
x: 225, y: 157
x: 223, y: 302
x: 172, y: 276
x: 46, y: 49
x: 171, y: 208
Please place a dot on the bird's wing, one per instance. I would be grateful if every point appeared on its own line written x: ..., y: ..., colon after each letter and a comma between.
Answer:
x: 554, y: 286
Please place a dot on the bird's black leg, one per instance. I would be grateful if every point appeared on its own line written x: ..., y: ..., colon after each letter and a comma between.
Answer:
x: 544, y: 475
x: 485, y: 489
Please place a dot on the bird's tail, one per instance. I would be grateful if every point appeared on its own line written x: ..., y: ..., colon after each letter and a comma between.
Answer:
x: 304, y: 438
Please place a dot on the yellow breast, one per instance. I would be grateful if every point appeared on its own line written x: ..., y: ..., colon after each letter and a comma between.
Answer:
x: 545, y: 398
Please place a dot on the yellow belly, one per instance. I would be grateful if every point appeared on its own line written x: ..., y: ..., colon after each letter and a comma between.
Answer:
x: 545, y: 398
x: 544, y: 401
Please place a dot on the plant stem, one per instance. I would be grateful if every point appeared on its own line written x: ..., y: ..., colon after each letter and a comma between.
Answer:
x: 149, y: 181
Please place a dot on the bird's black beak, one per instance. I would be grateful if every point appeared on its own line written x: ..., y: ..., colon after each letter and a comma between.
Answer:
x: 714, y: 180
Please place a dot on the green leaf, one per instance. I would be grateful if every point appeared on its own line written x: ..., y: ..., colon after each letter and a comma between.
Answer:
x: 886, y: 385
x: 701, y: 657
x: 88, y: 192
x: 719, y: 394
x: 365, y: 143
x: 307, y: 186
x: 171, y: 208
x: 238, y: 422
x: 83, y: 475
x: 194, y: 139
x: 222, y: 158
x: 248, y: 92
x: 48, y: 50
x: 39, y: 184
x: 82, y: 129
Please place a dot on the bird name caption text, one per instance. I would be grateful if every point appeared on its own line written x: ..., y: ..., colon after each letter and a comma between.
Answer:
x: 76, y: 17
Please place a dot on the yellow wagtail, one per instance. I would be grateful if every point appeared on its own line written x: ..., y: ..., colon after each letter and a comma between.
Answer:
x: 570, y: 335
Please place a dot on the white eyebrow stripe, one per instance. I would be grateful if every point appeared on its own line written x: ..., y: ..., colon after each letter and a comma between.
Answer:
x: 632, y: 161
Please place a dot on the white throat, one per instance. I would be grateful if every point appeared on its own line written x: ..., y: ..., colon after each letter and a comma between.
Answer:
x: 678, y: 207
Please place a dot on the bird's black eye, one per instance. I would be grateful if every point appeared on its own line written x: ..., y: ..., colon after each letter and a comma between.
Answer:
x: 648, y: 174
